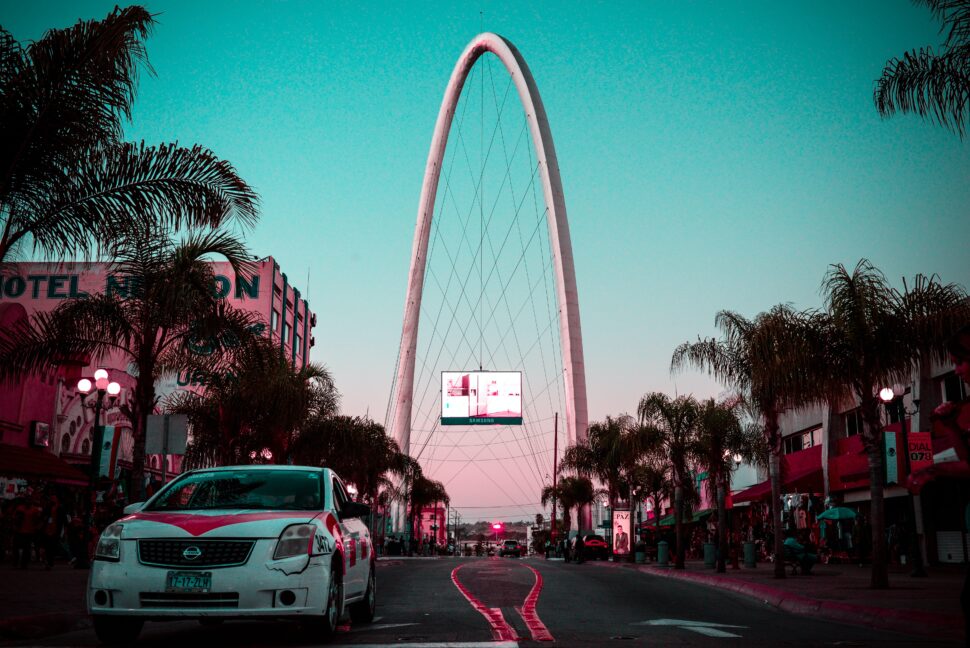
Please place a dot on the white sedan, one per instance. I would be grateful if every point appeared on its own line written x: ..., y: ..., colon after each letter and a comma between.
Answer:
x: 236, y: 542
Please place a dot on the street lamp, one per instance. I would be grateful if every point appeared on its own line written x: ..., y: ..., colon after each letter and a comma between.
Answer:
x: 100, y: 387
x: 890, y: 400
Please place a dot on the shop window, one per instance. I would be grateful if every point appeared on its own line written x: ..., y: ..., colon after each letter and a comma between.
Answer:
x: 792, y: 443
x: 952, y: 388
x: 853, y: 422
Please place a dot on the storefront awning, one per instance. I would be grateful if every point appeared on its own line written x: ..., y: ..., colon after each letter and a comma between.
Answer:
x: 30, y: 463
x: 950, y: 469
x: 801, y: 472
x: 696, y: 517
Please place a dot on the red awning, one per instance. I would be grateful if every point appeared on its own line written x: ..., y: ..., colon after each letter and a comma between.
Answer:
x: 951, y: 469
x: 802, y: 473
x: 31, y: 463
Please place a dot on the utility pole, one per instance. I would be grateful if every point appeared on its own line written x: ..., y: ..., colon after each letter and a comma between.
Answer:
x: 555, y: 475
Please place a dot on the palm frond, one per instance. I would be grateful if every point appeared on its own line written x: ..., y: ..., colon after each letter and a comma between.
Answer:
x: 928, y: 84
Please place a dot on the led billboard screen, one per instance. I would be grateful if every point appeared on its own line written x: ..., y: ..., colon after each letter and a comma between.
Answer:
x: 481, y: 398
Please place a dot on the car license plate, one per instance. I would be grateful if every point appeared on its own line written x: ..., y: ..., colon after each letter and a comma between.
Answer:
x: 181, y: 581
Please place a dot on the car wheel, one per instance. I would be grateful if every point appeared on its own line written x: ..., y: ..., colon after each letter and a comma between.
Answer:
x: 117, y: 631
x: 364, y: 611
x: 325, y: 627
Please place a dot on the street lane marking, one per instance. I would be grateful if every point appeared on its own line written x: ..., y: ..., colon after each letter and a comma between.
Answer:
x: 380, y: 626
x: 501, y: 630
x: 700, y: 627
x: 537, y: 628
x: 444, y: 644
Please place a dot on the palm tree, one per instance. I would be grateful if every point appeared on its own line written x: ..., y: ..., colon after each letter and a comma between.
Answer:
x: 254, y: 399
x: 608, y: 450
x: 172, y: 315
x: 756, y: 359
x: 869, y: 337
x: 425, y: 492
x: 668, y: 430
x: 720, y: 437
x: 571, y: 492
x: 650, y: 480
x: 930, y: 84
x: 67, y: 182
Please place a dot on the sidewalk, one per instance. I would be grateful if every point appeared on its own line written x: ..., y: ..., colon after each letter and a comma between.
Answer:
x: 927, y: 606
x: 37, y: 603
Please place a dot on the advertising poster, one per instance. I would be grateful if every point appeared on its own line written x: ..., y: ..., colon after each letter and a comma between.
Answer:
x: 621, y: 533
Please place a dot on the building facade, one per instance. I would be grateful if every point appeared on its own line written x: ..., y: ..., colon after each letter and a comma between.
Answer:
x: 47, y: 412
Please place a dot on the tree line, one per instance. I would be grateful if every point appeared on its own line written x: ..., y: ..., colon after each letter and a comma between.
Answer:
x: 867, y: 336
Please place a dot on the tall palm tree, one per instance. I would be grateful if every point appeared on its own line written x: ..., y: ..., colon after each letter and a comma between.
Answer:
x: 931, y: 84
x: 755, y: 359
x: 425, y: 492
x: 668, y: 430
x: 67, y: 182
x: 869, y: 337
x: 254, y: 399
x: 172, y: 315
x: 650, y: 480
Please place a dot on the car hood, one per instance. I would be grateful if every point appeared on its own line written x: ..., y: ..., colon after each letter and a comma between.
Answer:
x: 258, y: 523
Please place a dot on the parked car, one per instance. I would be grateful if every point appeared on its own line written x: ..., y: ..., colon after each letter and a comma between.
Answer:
x: 281, y: 542
x: 511, y: 548
x: 595, y: 547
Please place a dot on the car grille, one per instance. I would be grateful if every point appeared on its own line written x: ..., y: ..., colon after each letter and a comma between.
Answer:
x: 214, y: 553
x: 193, y: 600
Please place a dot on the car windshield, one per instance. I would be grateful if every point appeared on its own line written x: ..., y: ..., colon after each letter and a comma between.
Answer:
x: 511, y: 543
x: 297, y: 490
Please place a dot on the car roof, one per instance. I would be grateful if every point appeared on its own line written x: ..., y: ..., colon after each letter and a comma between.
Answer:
x: 263, y: 467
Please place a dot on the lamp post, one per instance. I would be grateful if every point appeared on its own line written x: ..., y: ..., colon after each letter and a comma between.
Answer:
x: 892, y: 401
x: 100, y: 386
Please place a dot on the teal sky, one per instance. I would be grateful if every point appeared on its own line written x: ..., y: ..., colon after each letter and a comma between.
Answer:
x: 714, y: 155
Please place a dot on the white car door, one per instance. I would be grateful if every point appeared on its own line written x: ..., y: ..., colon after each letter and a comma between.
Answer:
x: 356, y: 545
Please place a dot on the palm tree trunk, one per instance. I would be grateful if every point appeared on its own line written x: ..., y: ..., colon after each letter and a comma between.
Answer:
x: 679, y: 523
x: 144, y: 403
x: 875, y: 450
x: 774, y: 468
x: 721, y: 526
x: 774, y: 472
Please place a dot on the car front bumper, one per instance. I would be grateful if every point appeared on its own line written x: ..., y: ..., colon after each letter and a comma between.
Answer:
x: 262, y: 587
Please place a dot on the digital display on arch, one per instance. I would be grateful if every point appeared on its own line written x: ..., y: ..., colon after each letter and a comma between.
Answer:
x: 481, y: 398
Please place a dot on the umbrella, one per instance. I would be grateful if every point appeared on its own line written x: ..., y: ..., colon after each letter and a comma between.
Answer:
x: 837, y: 513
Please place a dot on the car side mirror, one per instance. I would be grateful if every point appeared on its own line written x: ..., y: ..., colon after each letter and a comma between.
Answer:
x: 134, y: 508
x: 354, y: 510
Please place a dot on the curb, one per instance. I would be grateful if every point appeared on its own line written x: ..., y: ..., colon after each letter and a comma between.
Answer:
x: 908, y: 621
x: 42, y: 625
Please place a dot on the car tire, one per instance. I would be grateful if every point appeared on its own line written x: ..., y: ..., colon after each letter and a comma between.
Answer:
x: 364, y: 611
x: 116, y: 630
x: 325, y: 627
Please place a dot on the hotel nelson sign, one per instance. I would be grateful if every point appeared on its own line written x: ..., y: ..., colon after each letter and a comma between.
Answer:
x: 52, y: 287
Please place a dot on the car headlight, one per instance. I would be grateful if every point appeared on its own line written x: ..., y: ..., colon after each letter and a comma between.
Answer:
x: 296, y: 540
x: 109, y: 545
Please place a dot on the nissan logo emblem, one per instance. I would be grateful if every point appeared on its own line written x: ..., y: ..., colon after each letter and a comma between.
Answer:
x: 191, y: 553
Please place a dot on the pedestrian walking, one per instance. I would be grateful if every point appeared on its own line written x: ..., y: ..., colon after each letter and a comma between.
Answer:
x: 580, y: 549
x: 51, y: 534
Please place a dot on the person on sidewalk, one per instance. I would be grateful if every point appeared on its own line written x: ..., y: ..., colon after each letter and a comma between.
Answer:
x: 580, y: 549
x: 800, y: 552
x: 51, y: 533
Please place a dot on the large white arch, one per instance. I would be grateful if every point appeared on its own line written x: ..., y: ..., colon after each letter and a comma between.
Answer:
x: 570, y: 336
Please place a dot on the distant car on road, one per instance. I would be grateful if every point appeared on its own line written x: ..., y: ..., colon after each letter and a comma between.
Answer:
x: 267, y: 542
x: 510, y: 548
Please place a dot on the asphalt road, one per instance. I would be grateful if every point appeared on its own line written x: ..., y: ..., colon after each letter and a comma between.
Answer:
x: 495, y: 601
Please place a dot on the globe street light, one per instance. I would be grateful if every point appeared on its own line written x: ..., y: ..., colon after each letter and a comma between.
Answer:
x: 889, y: 399
x: 101, y: 386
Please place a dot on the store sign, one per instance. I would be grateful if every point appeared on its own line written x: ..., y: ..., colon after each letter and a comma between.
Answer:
x: 920, y: 450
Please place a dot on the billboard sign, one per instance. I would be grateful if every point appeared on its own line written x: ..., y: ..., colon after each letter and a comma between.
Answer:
x: 621, y: 532
x: 481, y: 398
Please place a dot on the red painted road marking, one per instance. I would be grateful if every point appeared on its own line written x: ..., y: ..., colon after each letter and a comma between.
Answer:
x: 528, y: 611
x: 501, y: 630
